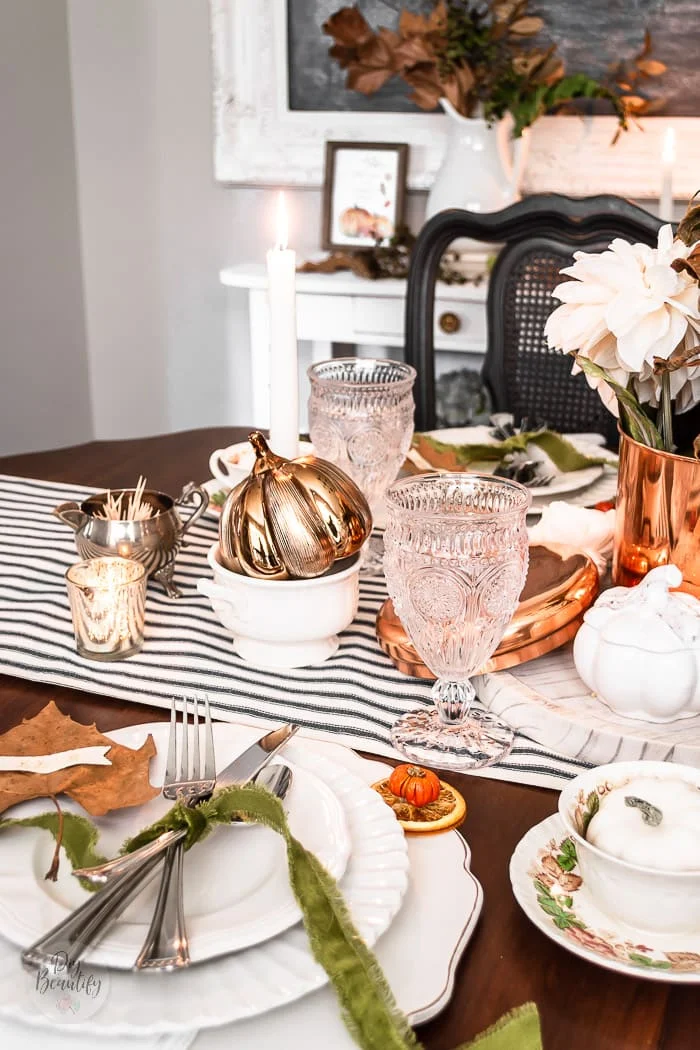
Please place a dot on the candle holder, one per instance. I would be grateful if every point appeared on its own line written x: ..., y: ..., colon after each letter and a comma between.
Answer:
x: 107, y: 599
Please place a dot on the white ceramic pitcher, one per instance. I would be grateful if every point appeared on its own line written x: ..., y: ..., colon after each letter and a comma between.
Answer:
x: 482, y: 168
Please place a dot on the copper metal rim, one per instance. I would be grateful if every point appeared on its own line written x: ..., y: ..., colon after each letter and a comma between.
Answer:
x: 561, y: 584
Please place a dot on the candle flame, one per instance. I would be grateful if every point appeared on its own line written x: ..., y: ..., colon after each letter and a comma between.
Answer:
x: 282, y: 222
x: 668, y: 153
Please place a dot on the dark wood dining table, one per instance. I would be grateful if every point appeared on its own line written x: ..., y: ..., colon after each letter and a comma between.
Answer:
x: 508, y: 961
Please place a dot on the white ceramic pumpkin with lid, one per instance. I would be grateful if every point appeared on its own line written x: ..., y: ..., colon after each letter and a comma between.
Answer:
x: 638, y: 649
x: 636, y: 829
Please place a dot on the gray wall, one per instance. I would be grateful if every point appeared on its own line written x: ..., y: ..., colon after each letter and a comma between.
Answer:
x: 44, y: 390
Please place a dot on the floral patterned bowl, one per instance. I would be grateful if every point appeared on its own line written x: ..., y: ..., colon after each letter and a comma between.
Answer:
x: 643, y: 870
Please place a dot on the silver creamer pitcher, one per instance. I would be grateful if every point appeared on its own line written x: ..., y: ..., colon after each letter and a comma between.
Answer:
x: 154, y: 542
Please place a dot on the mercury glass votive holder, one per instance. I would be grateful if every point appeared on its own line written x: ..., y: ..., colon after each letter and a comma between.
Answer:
x: 108, y: 604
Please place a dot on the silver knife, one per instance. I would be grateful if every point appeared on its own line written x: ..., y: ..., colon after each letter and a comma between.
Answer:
x: 241, y: 770
x: 126, y: 876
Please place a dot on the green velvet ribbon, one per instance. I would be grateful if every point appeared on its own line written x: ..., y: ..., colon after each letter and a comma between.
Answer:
x: 367, y: 1004
x: 561, y: 452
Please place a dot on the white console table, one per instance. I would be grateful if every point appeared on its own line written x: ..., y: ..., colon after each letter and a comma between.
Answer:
x: 343, y: 308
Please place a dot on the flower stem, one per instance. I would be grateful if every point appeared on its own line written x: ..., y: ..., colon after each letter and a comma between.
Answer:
x: 666, y: 421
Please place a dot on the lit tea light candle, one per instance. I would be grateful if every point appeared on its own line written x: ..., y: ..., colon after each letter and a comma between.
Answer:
x: 284, y: 366
x: 107, y: 599
x: 668, y: 159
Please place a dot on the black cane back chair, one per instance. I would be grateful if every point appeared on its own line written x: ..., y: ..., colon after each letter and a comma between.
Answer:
x: 539, y: 236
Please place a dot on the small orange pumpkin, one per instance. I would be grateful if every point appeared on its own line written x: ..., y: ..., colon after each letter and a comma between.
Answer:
x: 417, y: 785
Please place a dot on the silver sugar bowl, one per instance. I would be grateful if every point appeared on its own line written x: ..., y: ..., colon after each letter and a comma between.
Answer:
x: 154, y: 541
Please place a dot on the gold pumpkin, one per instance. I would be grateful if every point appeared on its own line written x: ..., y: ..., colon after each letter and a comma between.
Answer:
x: 291, y: 518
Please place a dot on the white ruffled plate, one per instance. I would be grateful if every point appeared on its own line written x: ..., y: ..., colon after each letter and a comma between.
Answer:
x: 259, y: 978
x: 236, y: 888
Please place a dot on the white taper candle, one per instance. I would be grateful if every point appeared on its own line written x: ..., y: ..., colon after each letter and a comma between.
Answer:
x: 284, y: 365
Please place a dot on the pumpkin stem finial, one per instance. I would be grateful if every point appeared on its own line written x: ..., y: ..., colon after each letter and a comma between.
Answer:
x: 259, y: 443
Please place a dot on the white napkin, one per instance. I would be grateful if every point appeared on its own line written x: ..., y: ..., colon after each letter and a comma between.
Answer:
x: 591, y: 531
x: 78, y: 756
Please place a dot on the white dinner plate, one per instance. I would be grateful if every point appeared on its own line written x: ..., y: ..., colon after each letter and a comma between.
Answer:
x: 556, y: 899
x: 563, y: 482
x: 236, y: 886
x: 281, y: 970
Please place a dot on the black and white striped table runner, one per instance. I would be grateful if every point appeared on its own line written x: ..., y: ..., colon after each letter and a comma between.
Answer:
x: 352, y: 698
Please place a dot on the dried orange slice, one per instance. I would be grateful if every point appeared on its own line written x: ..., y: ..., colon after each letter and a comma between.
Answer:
x: 448, y: 810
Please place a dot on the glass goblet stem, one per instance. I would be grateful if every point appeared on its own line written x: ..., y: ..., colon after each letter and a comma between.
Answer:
x: 453, y: 700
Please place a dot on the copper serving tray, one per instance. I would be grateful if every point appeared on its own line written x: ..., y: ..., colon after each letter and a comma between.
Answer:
x: 561, y: 584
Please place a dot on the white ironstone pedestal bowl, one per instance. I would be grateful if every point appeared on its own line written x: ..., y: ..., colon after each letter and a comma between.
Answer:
x: 284, y: 623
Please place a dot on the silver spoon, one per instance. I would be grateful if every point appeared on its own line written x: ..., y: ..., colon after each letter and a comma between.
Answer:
x: 277, y: 778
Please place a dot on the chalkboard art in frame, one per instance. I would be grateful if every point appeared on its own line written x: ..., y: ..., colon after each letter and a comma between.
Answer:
x: 590, y: 37
x: 261, y: 139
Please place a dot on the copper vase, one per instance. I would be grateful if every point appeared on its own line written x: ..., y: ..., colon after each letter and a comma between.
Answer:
x: 658, y: 515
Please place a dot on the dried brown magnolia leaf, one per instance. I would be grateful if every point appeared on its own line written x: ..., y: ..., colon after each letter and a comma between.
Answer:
x: 650, y: 67
x: 438, y: 17
x: 361, y: 263
x: 689, y: 226
x: 98, y: 789
x: 413, y: 51
x: 634, y: 103
x: 375, y: 53
x: 411, y: 24
x: 390, y: 38
x: 655, y: 105
x: 427, y: 88
x: 348, y: 26
x: 527, y: 26
x: 690, y: 265
x: 343, y: 55
x: 367, y: 80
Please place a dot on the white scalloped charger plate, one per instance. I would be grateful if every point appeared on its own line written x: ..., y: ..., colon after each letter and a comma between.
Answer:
x: 558, y: 902
x: 236, y: 887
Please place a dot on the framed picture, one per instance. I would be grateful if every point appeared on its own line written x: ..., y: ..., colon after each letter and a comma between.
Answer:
x: 363, y: 193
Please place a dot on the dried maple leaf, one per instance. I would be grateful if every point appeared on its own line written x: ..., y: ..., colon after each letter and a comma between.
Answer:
x: 98, y: 789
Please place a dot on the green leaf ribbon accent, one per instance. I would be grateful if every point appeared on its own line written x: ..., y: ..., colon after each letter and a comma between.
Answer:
x: 367, y: 1004
x: 561, y: 452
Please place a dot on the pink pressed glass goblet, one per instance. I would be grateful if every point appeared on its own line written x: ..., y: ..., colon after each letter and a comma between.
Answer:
x: 456, y: 555
x: 361, y: 419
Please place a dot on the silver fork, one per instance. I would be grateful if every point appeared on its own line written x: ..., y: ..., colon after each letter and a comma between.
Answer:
x: 167, y: 946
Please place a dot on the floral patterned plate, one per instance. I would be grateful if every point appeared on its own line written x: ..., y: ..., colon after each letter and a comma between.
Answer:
x: 548, y: 887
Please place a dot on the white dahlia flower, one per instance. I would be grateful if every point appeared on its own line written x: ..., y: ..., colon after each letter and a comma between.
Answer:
x: 627, y: 306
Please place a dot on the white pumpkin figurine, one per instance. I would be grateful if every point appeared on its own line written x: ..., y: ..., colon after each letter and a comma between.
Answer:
x: 651, y: 823
x: 639, y: 649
